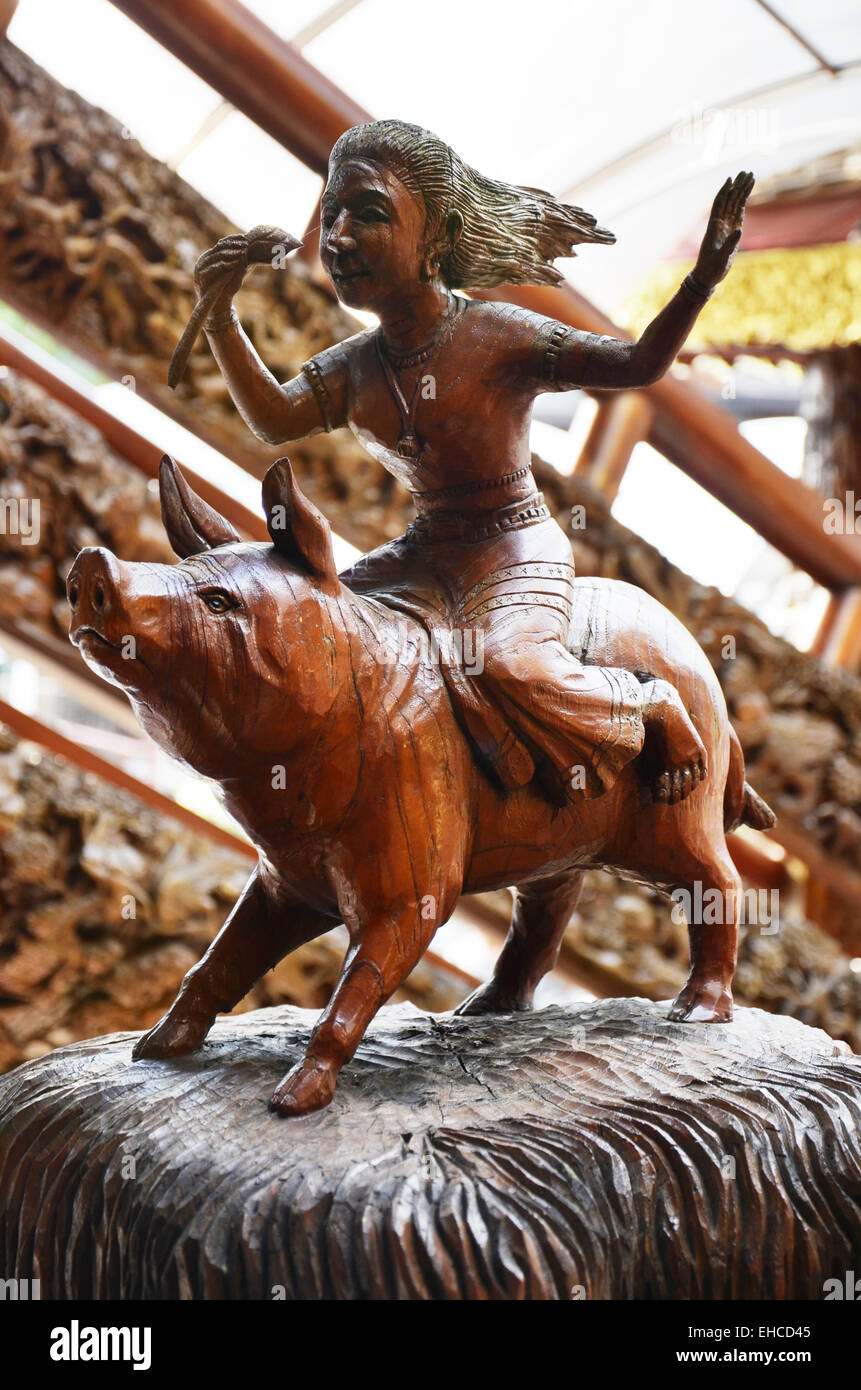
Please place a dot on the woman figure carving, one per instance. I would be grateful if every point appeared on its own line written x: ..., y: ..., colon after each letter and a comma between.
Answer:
x: 441, y: 394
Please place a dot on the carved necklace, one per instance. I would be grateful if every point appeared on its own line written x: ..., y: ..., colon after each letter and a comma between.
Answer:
x: 408, y: 445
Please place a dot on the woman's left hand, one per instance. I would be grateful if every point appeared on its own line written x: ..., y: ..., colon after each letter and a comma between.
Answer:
x: 723, y: 232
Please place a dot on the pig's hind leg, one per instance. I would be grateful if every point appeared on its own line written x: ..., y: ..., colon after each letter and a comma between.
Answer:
x: 542, y: 911
x: 713, y: 899
x: 256, y: 935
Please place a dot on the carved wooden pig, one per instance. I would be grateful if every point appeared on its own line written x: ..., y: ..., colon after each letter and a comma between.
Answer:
x: 329, y: 731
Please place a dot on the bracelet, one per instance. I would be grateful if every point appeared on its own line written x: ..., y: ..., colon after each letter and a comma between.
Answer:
x: 318, y: 386
x: 695, y: 288
x: 219, y: 323
x: 551, y: 353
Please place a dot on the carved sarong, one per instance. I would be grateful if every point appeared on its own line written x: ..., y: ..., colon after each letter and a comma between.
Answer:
x: 495, y: 591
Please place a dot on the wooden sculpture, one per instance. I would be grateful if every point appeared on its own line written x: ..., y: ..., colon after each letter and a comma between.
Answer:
x: 456, y: 712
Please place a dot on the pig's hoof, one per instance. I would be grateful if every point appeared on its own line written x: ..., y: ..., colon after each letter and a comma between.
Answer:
x: 309, y: 1086
x: 492, y: 998
x: 171, y: 1037
x: 707, y: 1001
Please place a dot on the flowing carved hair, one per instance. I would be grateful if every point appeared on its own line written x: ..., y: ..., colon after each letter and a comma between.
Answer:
x: 510, y: 235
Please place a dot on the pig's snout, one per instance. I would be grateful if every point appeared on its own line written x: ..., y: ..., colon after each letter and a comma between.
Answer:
x: 91, y: 587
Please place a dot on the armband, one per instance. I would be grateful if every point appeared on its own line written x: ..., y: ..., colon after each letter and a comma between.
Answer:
x: 318, y: 386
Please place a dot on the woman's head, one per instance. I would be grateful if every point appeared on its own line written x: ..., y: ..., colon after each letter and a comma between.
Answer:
x: 475, y: 232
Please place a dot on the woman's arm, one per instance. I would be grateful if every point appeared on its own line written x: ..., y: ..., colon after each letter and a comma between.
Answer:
x: 608, y: 364
x: 274, y: 413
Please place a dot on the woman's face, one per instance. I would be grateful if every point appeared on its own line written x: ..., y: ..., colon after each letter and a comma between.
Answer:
x: 371, y: 236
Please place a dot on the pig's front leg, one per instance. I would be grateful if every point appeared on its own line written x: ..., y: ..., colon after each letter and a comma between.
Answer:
x: 259, y: 932
x: 384, y: 952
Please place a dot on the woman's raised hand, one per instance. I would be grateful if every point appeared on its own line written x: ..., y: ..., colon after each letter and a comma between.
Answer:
x: 723, y: 232
x: 224, y: 264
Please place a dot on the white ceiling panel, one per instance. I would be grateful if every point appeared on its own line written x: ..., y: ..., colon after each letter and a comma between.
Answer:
x: 549, y: 92
x: 833, y: 28
x: 636, y: 111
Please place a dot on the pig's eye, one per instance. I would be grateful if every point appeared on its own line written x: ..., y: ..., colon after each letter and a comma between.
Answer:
x: 217, y: 601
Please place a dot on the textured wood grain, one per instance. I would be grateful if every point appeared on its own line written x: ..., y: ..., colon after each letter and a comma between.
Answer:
x: 510, y: 1157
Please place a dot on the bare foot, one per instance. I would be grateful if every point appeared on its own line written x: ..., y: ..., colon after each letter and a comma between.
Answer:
x: 703, y: 1001
x: 684, y: 754
x: 309, y: 1086
x: 173, y: 1036
x: 492, y: 998
x: 676, y: 785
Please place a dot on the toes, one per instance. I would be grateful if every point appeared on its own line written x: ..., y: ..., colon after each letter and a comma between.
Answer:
x: 475, y: 1003
x: 140, y: 1048
x: 286, y: 1105
x: 308, y: 1087
x: 707, y: 1003
x: 170, y: 1038
x: 489, y: 999
x: 672, y: 787
x: 686, y: 783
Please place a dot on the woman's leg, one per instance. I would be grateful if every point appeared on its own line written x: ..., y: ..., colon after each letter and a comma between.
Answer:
x: 588, y: 722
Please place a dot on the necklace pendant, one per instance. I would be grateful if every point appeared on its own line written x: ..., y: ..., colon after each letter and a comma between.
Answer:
x: 408, y: 446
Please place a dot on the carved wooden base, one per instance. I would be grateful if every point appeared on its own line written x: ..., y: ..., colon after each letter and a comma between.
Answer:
x: 597, y: 1149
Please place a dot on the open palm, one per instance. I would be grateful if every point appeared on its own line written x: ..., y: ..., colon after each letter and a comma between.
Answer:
x: 723, y: 232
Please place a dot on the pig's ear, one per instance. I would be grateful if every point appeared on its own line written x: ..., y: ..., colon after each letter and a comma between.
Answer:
x: 191, y: 524
x: 299, y: 531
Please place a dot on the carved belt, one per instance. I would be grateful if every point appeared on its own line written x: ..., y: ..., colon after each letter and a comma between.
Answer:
x: 436, y: 494
x: 479, y: 526
x: 532, y: 583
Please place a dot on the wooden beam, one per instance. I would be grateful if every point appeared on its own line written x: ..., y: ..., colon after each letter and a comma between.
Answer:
x: 50, y: 654
x: 794, y: 33
x: 133, y: 447
x: 7, y: 11
x: 758, y: 859
x: 33, y: 729
x: 621, y: 422
x: 838, y: 643
x: 838, y: 639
